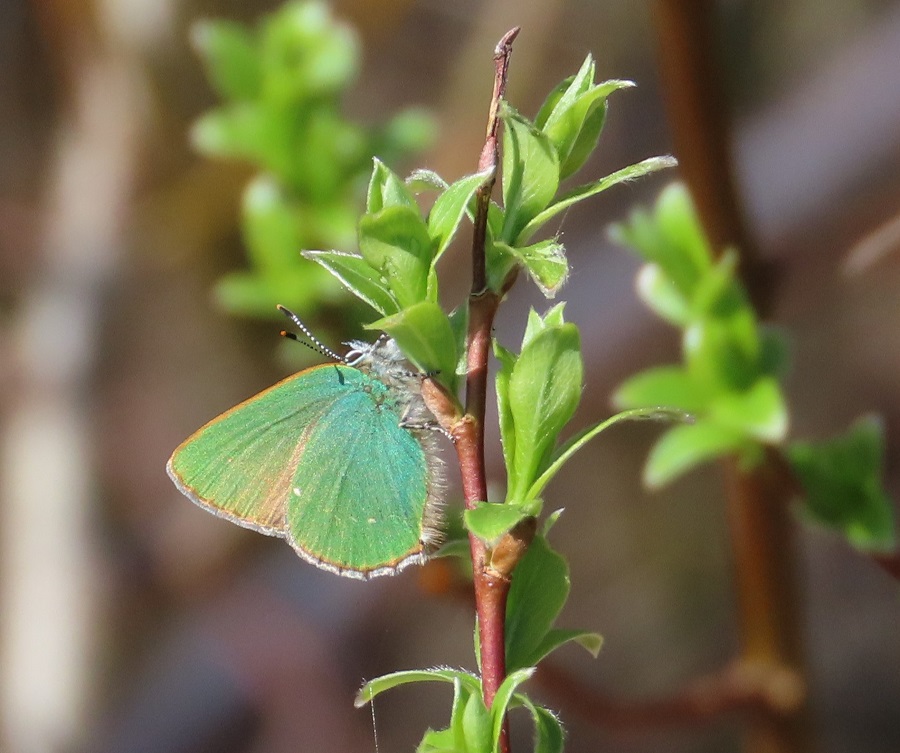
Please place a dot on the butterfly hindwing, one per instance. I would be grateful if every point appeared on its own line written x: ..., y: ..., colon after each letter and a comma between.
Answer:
x: 361, y: 487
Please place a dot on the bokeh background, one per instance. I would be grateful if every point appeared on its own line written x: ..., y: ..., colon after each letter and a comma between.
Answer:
x: 133, y: 622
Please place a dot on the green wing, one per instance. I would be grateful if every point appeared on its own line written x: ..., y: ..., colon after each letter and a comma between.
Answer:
x: 361, y: 490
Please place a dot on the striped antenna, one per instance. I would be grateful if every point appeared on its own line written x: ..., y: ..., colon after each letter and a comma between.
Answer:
x: 314, y: 343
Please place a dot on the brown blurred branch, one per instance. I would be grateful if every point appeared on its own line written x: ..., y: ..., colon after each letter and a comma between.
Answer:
x: 738, y: 687
x: 698, y: 118
x: 761, y: 528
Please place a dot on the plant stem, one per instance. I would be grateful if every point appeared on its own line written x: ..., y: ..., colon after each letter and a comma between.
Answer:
x: 759, y: 516
x: 491, y: 591
x: 762, y: 534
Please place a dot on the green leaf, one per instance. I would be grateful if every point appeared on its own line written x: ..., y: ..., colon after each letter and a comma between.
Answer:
x: 457, y: 724
x: 449, y: 208
x: 489, y: 521
x: 663, y: 296
x: 322, y: 152
x: 718, y: 292
x: 239, y: 131
x: 759, y: 412
x: 507, y: 361
x: 305, y: 53
x: 452, y: 739
x: 547, y: 727
x: 544, y: 390
x: 574, y: 126
x: 774, y: 351
x: 454, y: 548
x: 668, y: 386
x: 550, y: 521
x: 539, y: 590
x: 687, y: 446
x: 424, y: 335
x: 575, y: 443
x: 230, y: 56
x: 587, y: 139
x: 545, y: 262
x: 535, y: 324
x: 422, y: 180
x: 670, y: 237
x: 244, y: 293
x: 439, y: 741
x: 459, y: 323
x: 504, y: 696
x: 270, y: 226
x: 499, y: 263
x: 530, y: 174
x: 842, y: 481
x: 632, y: 172
x: 723, y: 355
x: 377, y: 686
x: 396, y: 244
x: 386, y: 189
x: 410, y: 130
x: 564, y: 94
x: 477, y: 725
x: 589, y: 641
x: 302, y: 289
x: 364, y: 282
x: 679, y: 223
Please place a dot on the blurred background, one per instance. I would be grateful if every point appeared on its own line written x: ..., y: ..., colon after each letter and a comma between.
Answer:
x: 132, y: 621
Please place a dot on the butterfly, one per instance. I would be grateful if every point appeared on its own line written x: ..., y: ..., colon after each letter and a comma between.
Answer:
x: 338, y: 459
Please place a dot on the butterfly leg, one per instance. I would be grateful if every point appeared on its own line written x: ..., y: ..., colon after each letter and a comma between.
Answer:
x: 406, y: 423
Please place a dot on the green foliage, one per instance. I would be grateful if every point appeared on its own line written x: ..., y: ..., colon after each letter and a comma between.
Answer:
x: 538, y: 593
x: 489, y: 521
x: 474, y: 728
x: 728, y: 380
x: 537, y: 393
x: 537, y: 156
x: 395, y: 268
x: 841, y: 478
x: 281, y: 86
x: 725, y: 380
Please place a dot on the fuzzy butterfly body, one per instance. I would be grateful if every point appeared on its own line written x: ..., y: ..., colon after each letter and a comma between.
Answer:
x: 335, y: 459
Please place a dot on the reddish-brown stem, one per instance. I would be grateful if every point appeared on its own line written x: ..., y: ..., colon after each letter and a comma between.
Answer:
x: 890, y: 563
x: 698, y: 117
x: 761, y: 528
x: 489, y: 160
x: 491, y: 590
x: 762, y: 536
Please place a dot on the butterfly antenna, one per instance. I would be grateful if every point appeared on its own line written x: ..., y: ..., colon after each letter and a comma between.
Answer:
x: 314, y: 343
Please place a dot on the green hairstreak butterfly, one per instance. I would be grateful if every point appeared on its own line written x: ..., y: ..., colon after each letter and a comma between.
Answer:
x: 337, y: 459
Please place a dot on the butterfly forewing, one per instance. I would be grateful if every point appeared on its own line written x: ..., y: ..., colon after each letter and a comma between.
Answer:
x: 241, y: 464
